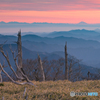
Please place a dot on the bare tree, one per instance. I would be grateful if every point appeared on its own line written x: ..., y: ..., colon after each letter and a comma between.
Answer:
x: 88, y: 75
x: 1, y: 73
x: 31, y: 69
x: 0, y: 76
x: 79, y: 73
x: 19, y: 66
x: 19, y: 45
x: 53, y: 69
x: 74, y: 72
x: 66, y: 62
x: 70, y: 71
x: 47, y: 68
x: 57, y: 69
x: 41, y: 68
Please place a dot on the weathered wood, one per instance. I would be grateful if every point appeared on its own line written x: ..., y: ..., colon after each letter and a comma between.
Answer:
x: 88, y: 75
x: 24, y: 92
x: 20, y: 75
x: 7, y: 59
x: 29, y: 82
x: 2, y: 98
x: 0, y: 76
x: 19, y: 50
x: 66, y: 63
x: 19, y: 45
x: 41, y: 68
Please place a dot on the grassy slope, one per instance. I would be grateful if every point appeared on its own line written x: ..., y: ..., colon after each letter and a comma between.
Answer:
x: 58, y: 90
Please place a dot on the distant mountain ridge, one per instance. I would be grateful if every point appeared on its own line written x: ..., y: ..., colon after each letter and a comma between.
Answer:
x: 84, y: 34
x: 35, y: 24
x: 14, y: 22
x: 73, y: 42
x: 88, y: 50
x: 82, y: 23
x: 11, y: 27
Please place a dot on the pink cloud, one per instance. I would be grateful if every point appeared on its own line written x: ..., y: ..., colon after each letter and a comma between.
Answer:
x: 55, y: 11
x: 45, y: 5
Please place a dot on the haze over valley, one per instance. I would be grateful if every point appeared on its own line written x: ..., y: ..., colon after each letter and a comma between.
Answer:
x: 82, y: 44
x: 9, y: 28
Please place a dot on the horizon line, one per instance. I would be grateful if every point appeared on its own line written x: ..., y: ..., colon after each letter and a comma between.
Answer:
x: 49, y: 22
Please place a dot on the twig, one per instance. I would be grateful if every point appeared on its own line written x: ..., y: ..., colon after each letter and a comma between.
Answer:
x: 24, y: 92
x: 2, y: 98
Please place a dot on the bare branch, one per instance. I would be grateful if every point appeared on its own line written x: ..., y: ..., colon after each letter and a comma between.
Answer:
x: 19, y: 69
x: 1, y: 45
x: 24, y: 92
x: 20, y: 75
x: 29, y: 83
x: 7, y: 59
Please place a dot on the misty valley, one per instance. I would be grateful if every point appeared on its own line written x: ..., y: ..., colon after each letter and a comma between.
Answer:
x: 58, y: 58
x: 81, y: 44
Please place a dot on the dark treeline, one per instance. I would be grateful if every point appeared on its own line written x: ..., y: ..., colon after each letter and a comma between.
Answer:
x: 55, y: 70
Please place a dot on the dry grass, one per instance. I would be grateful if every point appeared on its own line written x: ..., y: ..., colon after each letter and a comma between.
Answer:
x: 49, y: 90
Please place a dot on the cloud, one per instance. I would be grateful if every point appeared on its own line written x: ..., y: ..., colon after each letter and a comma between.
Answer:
x: 45, y: 5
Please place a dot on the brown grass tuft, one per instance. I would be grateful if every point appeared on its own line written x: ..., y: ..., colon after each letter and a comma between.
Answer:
x: 49, y: 90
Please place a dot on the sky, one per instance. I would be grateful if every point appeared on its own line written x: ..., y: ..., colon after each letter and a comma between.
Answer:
x: 51, y: 11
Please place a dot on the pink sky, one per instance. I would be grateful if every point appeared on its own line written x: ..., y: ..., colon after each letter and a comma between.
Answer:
x: 51, y: 11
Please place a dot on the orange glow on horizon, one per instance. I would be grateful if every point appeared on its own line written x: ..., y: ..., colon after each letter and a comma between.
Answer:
x: 70, y: 16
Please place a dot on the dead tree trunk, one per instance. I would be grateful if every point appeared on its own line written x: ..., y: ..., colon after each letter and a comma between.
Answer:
x: 66, y: 63
x: 19, y: 45
x: 41, y: 68
x: 0, y: 76
x: 20, y: 75
x: 88, y: 75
